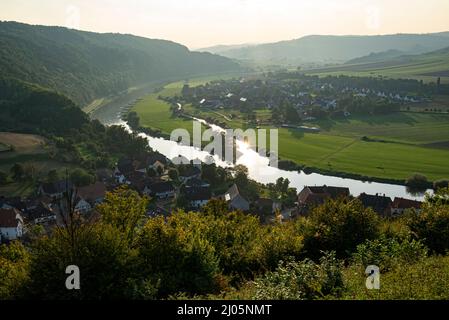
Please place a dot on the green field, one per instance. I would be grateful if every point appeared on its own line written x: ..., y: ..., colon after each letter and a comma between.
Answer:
x: 400, y: 145
x: 427, y: 67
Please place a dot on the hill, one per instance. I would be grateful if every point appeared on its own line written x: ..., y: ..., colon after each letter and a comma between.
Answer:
x: 427, y: 66
x: 86, y: 65
x: 336, y: 48
x: 377, y: 56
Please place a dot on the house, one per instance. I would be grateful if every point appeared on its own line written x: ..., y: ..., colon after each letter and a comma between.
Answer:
x: 190, y: 172
x: 198, y: 196
x: 82, y: 205
x: 235, y: 200
x: 266, y: 206
x: 11, y: 224
x: 161, y: 190
x: 89, y: 196
x: 380, y: 204
x: 40, y: 214
x: 55, y: 190
x: 195, y: 182
x: 399, y: 205
x: 94, y: 193
x: 311, y: 197
x: 156, y: 161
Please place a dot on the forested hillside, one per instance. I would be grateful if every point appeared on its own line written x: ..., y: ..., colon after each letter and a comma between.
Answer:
x: 86, y: 65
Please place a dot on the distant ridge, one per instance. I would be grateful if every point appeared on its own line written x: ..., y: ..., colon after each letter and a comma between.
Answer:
x: 337, y: 49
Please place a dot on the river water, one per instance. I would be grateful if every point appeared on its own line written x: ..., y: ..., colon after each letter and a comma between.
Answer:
x: 258, y: 166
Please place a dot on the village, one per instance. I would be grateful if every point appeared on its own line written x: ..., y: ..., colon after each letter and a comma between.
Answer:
x: 171, y: 187
x: 295, y: 98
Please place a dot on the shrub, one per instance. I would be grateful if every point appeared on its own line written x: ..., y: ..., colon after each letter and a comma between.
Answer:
x: 177, y: 258
x: 340, y: 226
x: 418, y: 181
x: 387, y: 253
x: 431, y: 225
x: 301, y: 280
x: 440, y: 184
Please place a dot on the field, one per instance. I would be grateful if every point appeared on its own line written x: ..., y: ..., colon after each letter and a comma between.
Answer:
x: 398, y: 145
x: 426, y: 67
x: 156, y: 114
x: 29, y: 151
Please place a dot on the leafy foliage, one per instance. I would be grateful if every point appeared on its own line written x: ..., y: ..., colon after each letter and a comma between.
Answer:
x: 85, y: 65
x: 301, y: 280
x: 339, y: 225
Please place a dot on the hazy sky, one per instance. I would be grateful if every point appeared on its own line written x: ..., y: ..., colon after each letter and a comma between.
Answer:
x: 201, y: 23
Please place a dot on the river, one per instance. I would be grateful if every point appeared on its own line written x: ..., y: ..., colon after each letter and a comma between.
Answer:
x: 258, y: 166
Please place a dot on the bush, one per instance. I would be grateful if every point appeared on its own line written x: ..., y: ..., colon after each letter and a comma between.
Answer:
x: 81, y: 178
x: 418, y: 181
x: 107, y: 265
x: 387, y: 253
x: 14, y: 270
x: 426, y: 279
x: 340, y: 226
x: 302, y: 280
x: 177, y: 257
x: 431, y: 225
x: 440, y: 184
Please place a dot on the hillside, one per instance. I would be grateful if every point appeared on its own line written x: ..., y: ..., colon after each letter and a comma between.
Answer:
x: 86, y: 65
x: 336, y: 48
x: 427, y: 66
x: 377, y: 56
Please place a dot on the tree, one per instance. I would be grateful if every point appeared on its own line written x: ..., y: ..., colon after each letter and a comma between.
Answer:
x: 339, y: 225
x: 173, y: 174
x: 431, y: 225
x: 133, y: 120
x: 17, y: 171
x: 151, y: 172
x: 81, y: 177
x: 241, y: 176
x: 125, y: 210
x: 107, y: 265
x: 440, y: 184
x: 418, y: 181
x: 14, y: 270
x: 177, y: 257
x: 3, y: 177
x: 53, y: 176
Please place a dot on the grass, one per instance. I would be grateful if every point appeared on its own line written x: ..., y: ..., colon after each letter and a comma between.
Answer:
x: 404, y: 127
x: 156, y: 114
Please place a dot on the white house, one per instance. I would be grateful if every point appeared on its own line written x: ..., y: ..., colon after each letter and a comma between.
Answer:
x: 82, y: 206
x: 11, y: 224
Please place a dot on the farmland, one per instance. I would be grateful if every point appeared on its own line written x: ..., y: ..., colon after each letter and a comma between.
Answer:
x: 34, y: 153
x: 427, y: 67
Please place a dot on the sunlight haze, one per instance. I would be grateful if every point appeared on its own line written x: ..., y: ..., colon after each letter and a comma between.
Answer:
x: 199, y: 23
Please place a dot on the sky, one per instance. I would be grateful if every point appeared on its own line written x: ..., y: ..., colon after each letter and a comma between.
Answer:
x: 204, y: 23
